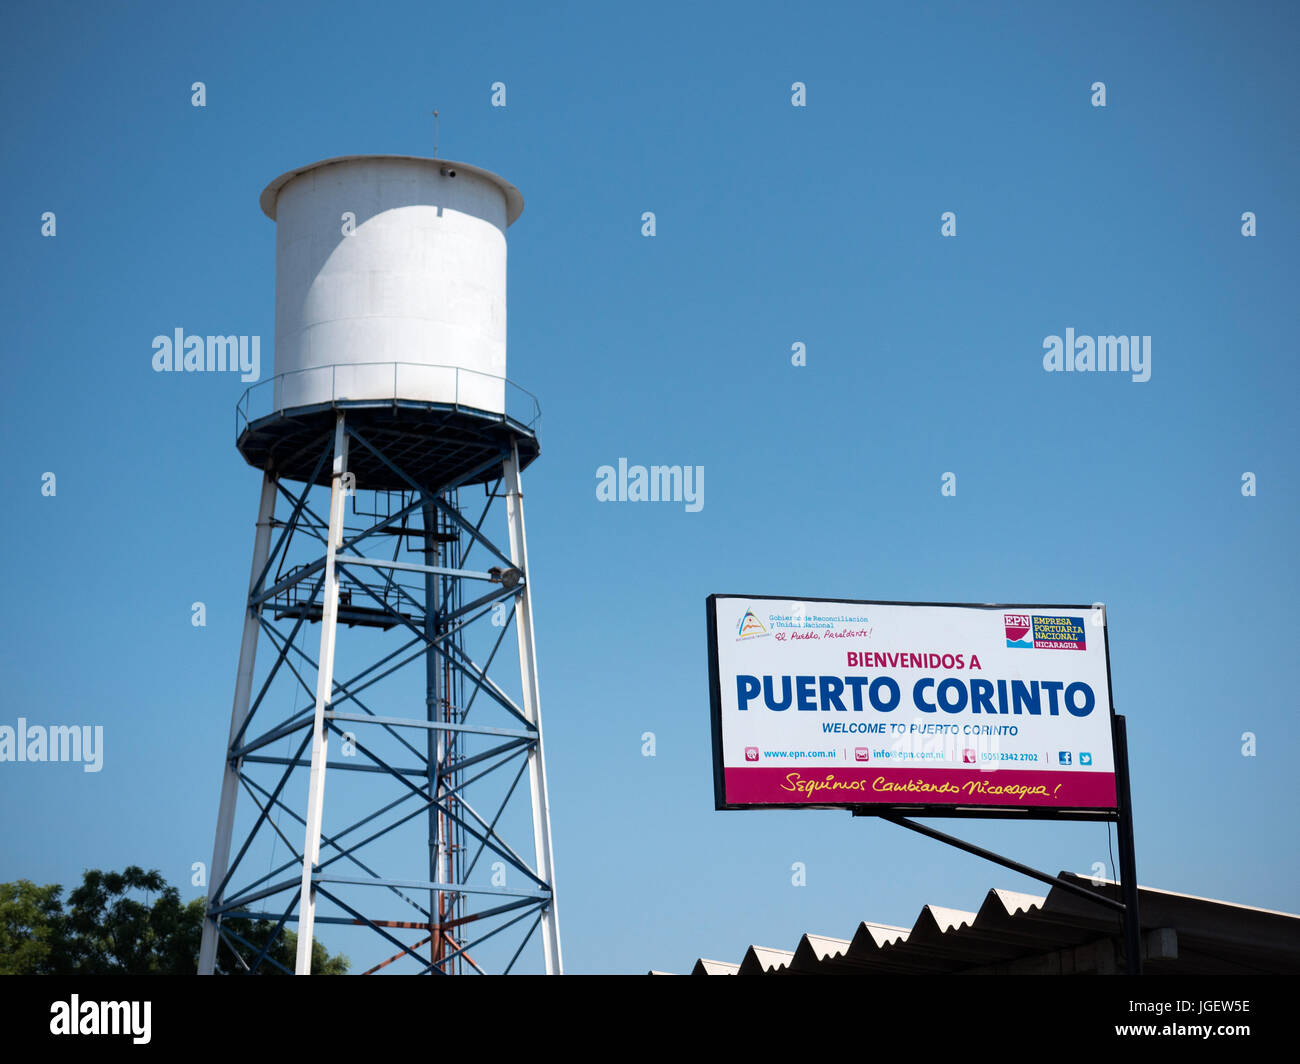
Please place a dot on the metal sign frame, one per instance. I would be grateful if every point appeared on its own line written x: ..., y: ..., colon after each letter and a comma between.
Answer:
x: 887, y: 809
x: 897, y: 813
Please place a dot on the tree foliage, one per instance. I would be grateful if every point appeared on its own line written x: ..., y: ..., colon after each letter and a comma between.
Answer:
x: 131, y: 923
x: 32, y: 928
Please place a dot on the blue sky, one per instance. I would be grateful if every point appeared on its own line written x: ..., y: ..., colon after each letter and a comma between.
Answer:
x: 775, y: 225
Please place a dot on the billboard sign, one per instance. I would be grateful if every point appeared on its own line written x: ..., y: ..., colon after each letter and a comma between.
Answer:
x: 924, y: 708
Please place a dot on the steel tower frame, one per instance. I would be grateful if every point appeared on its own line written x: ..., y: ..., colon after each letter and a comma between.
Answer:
x: 349, y: 581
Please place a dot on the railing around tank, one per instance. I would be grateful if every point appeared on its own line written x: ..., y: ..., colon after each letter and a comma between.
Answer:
x: 469, y: 388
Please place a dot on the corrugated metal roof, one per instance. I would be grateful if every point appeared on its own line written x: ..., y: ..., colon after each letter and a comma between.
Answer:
x: 1060, y: 934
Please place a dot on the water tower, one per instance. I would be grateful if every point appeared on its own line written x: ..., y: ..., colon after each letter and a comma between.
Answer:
x: 380, y: 731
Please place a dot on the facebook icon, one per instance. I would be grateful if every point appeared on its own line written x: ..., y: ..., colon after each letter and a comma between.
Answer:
x: 1064, y: 757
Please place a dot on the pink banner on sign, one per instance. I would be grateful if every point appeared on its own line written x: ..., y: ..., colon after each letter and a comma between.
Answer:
x: 936, y: 786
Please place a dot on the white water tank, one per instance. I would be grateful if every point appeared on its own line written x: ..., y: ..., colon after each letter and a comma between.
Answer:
x: 390, y: 282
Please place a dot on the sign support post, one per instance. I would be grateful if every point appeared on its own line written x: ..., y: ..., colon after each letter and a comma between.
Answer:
x: 997, y: 858
x: 1127, y: 858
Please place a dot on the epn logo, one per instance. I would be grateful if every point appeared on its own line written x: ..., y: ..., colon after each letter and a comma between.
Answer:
x: 1017, y: 626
